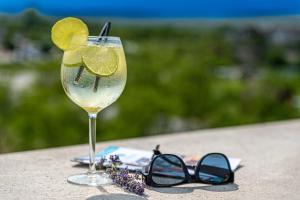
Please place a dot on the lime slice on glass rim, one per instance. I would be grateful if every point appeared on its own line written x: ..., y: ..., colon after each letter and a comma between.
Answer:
x: 100, y: 60
x: 69, y: 33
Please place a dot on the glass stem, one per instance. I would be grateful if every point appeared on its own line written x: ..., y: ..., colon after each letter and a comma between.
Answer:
x: 92, y: 142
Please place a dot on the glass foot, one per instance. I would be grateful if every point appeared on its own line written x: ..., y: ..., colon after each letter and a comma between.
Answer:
x: 94, y: 180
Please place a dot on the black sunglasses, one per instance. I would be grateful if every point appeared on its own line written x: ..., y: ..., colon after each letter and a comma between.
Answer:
x: 167, y: 170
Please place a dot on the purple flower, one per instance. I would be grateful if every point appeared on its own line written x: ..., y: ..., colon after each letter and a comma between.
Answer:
x: 115, y: 159
x: 124, y: 179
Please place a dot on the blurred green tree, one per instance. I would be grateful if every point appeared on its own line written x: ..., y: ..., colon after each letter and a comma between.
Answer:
x: 177, y: 80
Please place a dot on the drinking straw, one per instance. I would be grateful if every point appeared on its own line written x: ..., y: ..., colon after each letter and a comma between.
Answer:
x: 104, y: 32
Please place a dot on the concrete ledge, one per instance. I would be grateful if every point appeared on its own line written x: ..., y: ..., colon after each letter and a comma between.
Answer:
x: 270, y: 166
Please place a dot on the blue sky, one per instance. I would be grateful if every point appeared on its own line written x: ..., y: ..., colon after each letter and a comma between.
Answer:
x: 156, y: 8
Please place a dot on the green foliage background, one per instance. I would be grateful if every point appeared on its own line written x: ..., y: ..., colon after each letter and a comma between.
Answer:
x: 176, y: 81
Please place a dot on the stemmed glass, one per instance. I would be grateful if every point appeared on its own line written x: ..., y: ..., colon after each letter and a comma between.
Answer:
x: 93, y: 93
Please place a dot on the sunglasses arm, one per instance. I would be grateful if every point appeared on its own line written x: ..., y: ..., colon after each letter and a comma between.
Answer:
x: 156, y: 151
x: 231, y: 179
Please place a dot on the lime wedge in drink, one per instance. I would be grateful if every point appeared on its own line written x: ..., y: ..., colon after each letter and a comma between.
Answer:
x: 100, y: 60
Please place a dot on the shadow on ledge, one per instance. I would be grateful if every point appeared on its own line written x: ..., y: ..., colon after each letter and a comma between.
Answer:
x: 115, y: 197
x: 212, y: 188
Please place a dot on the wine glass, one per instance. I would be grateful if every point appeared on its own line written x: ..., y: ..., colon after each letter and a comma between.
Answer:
x: 94, y: 92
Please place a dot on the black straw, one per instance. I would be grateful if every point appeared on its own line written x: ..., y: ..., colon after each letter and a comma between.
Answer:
x: 104, y: 32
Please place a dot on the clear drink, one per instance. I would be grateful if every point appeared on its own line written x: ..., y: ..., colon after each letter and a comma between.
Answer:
x: 108, y: 88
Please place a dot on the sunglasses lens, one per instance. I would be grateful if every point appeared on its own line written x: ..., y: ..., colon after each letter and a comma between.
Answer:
x: 167, y: 170
x: 214, y: 168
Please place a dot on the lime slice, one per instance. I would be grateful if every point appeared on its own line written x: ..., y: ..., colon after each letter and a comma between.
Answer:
x: 72, y: 58
x: 100, y: 60
x: 69, y: 33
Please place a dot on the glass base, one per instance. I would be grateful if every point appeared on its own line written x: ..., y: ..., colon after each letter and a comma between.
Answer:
x: 94, y: 180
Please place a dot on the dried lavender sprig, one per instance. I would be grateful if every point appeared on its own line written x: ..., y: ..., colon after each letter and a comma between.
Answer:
x: 115, y: 159
x: 127, y: 181
x: 123, y: 179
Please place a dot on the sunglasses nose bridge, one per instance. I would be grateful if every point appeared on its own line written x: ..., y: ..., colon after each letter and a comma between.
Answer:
x: 192, y: 178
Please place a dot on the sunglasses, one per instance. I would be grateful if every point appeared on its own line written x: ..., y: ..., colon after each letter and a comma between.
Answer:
x: 167, y: 170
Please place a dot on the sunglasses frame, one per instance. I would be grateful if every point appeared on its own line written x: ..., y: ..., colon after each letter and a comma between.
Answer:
x: 188, y: 177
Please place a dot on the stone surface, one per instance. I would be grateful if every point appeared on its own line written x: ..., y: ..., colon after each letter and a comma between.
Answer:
x: 270, y: 166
